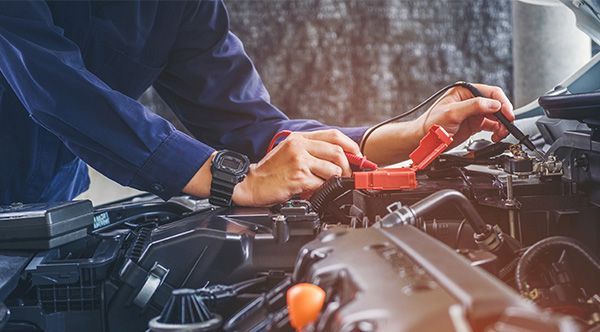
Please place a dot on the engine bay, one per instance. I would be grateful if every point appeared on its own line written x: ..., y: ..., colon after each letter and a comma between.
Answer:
x: 489, y: 238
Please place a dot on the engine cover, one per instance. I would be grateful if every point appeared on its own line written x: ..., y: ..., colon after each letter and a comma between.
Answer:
x: 400, y: 279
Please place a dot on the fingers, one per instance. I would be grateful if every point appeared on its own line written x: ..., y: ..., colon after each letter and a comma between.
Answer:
x: 497, y: 93
x: 477, y: 112
x: 323, y: 169
x: 462, y: 110
x: 485, y: 107
x: 311, y: 182
x: 334, y: 136
x: 498, y: 130
x: 321, y: 158
x: 330, y: 154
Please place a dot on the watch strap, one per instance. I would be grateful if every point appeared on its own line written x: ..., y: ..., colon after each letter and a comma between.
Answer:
x: 228, y: 169
x: 221, y: 191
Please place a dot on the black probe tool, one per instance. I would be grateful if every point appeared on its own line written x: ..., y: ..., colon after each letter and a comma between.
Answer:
x: 512, y: 129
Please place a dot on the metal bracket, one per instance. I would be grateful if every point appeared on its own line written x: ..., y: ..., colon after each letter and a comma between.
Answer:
x: 156, y: 277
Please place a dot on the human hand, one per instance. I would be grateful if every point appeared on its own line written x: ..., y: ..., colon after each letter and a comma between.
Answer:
x: 463, y: 115
x: 301, y: 163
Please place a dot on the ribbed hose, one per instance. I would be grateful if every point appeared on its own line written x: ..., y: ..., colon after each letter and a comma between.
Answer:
x: 329, y: 191
x: 508, y: 270
x: 529, y: 257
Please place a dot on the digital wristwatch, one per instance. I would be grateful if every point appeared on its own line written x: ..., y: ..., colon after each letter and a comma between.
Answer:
x: 228, y: 169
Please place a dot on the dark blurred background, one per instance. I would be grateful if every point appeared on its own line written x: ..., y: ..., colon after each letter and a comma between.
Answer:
x: 355, y: 62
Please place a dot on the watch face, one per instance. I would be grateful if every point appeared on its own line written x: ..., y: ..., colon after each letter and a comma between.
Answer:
x: 232, y: 162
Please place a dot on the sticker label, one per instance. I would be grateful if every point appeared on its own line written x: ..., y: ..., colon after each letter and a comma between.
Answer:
x: 101, y: 220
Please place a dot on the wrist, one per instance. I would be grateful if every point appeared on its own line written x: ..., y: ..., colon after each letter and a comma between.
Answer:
x: 242, y: 193
x: 420, y: 128
x: 200, y: 184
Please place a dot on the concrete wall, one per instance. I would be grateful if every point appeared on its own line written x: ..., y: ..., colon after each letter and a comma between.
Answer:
x: 355, y: 62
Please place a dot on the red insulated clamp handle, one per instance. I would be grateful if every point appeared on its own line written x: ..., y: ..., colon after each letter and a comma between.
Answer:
x: 360, y: 162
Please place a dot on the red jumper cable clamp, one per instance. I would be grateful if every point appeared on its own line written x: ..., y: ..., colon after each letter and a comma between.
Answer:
x: 361, y: 162
x: 430, y: 147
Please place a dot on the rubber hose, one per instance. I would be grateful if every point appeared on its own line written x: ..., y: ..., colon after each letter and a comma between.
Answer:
x: 329, y: 191
x: 459, y: 200
x: 530, y: 255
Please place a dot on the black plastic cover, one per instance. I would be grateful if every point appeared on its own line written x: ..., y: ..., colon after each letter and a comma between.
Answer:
x: 578, y: 106
x: 43, y: 226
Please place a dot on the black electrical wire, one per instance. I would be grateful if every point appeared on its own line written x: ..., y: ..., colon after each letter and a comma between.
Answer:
x: 468, y: 161
x: 216, y: 293
x: 243, y: 285
x: 411, y: 111
x: 330, y: 190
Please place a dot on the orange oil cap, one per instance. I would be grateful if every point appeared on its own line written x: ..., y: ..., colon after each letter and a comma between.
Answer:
x: 305, y: 302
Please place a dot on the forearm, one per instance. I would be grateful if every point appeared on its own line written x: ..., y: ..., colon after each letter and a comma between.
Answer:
x: 392, y: 143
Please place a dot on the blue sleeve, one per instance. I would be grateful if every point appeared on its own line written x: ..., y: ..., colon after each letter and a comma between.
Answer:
x: 108, y: 130
x: 213, y: 87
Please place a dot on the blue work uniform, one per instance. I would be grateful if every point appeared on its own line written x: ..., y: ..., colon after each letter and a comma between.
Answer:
x: 71, y: 74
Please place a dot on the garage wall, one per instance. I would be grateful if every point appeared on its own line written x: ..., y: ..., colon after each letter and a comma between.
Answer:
x: 354, y: 62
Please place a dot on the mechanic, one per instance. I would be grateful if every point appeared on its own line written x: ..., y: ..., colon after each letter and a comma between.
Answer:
x: 71, y: 74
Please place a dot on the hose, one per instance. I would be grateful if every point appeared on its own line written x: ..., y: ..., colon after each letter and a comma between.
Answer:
x: 487, y: 237
x: 543, y: 246
x: 459, y: 200
x: 329, y: 191
x: 508, y: 270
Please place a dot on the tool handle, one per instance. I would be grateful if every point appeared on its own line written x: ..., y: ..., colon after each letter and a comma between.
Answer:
x: 516, y: 132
